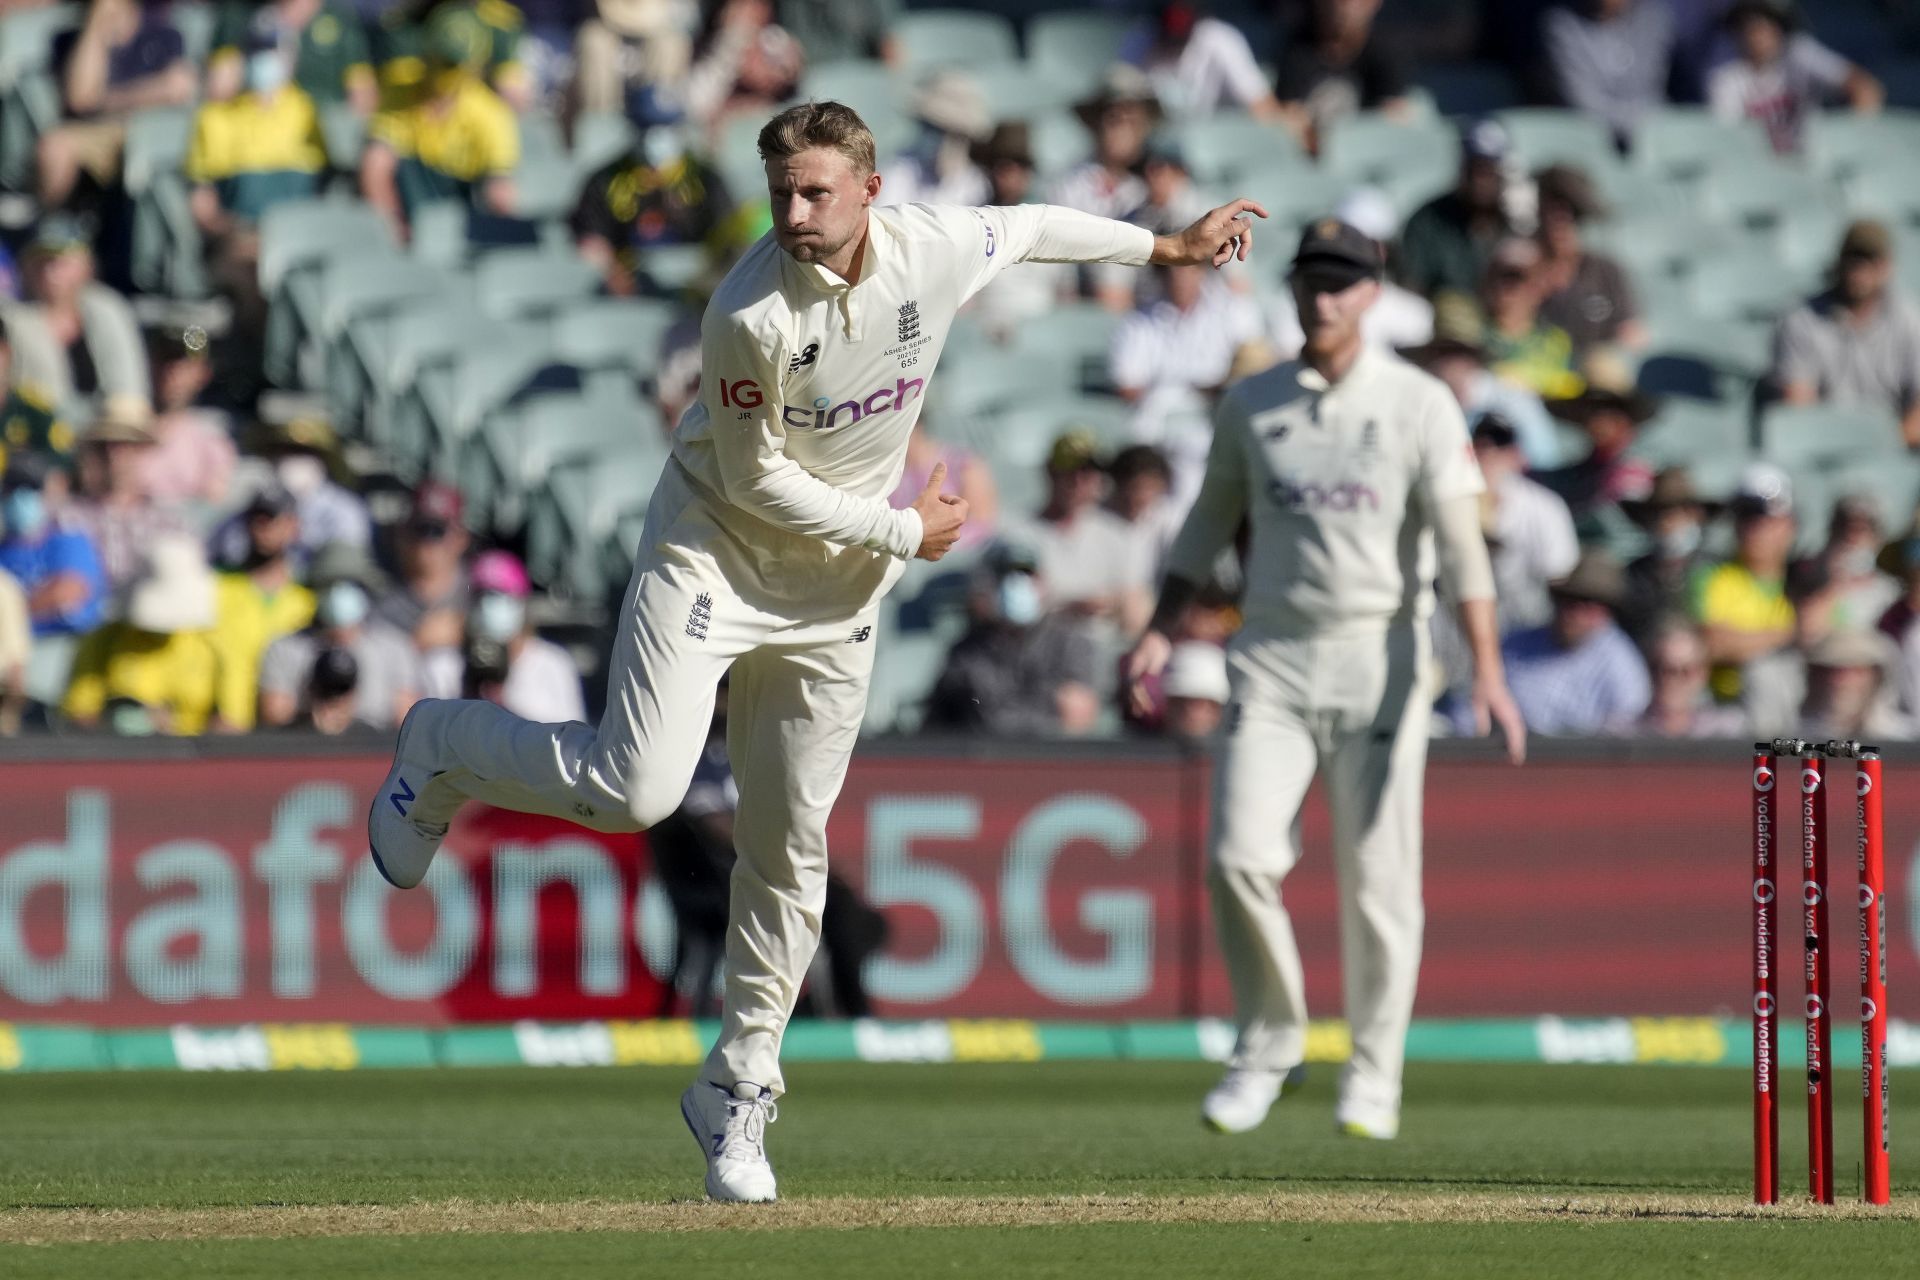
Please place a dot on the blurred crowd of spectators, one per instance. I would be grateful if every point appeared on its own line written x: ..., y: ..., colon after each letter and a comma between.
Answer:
x: 177, y: 555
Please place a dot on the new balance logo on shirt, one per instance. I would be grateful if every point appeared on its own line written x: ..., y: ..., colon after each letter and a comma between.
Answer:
x: 700, y: 616
x: 860, y: 635
x: 805, y: 358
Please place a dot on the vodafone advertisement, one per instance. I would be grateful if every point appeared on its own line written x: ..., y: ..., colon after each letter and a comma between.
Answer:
x: 1022, y: 884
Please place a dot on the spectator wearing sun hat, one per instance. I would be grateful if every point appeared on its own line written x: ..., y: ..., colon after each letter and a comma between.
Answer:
x: 76, y: 341
x: 939, y: 167
x: 506, y: 662
x: 1121, y: 115
x: 157, y: 669
x: 113, y: 504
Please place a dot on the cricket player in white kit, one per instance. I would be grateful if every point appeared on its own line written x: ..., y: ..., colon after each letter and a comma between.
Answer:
x: 1357, y: 478
x: 768, y: 544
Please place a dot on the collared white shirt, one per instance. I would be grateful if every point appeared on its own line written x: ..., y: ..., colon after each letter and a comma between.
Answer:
x: 1338, y: 483
x: 811, y: 385
x: 1214, y: 69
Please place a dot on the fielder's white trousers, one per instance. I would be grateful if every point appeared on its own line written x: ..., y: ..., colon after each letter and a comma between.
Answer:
x: 1353, y: 709
x: 797, y: 697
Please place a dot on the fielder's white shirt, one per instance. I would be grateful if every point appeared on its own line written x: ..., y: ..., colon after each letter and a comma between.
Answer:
x: 810, y: 385
x: 1336, y: 482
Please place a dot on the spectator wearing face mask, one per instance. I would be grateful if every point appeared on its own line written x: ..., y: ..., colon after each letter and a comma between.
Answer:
x: 321, y: 47
x: 505, y: 661
x: 387, y: 670
x: 156, y: 670
x: 260, y: 601
x: 1660, y: 583
x: 255, y: 149
x: 58, y: 568
x: 939, y: 168
x: 1019, y: 668
x: 1842, y: 588
x: 1529, y: 529
x: 431, y: 600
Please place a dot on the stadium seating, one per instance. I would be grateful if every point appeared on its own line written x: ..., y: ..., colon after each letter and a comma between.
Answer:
x: 933, y: 38
x: 1074, y: 49
x: 1545, y: 136
x: 525, y: 283
x: 1829, y: 436
x: 1684, y: 143
x: 526, y: 440
x: 1229, y: 148
x: 1372, y: 149
x: 1469, y: 89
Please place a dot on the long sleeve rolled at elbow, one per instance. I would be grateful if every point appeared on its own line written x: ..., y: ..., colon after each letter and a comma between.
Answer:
x: 1466, y: 569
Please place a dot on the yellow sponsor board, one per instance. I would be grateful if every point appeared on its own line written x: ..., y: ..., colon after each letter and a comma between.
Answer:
x: 1690, y: 1040
x: 994, y: 1040
x: 1330, y: 1041
x: 310, y: 1046
x: 10, y: 1056
x: 655, y: 1044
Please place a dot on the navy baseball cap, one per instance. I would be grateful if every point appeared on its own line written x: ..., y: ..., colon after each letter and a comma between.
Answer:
x: 1336, y: 253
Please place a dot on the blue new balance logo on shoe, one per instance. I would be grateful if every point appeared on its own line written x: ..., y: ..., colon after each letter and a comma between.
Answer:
x: 405, y: 793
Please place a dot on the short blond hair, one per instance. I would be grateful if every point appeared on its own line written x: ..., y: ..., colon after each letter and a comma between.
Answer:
x: 830, y: 125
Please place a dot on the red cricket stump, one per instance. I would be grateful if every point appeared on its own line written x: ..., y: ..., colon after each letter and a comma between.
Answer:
x: 1766, y: 896
x: 1813, y: 886
x: 1873, y: 981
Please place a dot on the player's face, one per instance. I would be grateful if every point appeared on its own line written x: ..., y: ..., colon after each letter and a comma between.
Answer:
x: 1329, y: 313
x: 819, y: 202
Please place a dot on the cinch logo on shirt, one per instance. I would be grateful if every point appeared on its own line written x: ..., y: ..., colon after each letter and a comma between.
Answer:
x: 1313, y: 496
x: 825, y: 415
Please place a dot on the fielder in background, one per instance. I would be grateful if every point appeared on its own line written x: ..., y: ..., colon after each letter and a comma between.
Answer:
x: 1357, y: 478
x: 768, y: 544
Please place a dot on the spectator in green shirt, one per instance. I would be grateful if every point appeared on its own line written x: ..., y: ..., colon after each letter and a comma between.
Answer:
x: 322, y: 40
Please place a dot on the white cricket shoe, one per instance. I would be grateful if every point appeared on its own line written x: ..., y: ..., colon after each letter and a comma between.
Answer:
x: 1367, y: 1120
x: 731, y: 1128
x: 409, y: 815
x: 1244, y: 1096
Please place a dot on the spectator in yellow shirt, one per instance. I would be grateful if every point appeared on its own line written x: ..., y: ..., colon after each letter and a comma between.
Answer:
x: 156, y: 670
x: 460, y: 142
x: 255, y: 149
x: 1742, y: 605
x: 258, y: 603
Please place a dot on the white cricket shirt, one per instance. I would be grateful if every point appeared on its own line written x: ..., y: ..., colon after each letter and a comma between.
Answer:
x: 1337, y: 482
x: 810, y: 386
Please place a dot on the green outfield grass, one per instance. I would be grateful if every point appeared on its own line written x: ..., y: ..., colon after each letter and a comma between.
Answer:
x: 1047, y: 1169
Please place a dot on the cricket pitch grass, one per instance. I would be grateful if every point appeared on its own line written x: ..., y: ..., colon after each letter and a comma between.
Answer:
x: 1093, y: 1171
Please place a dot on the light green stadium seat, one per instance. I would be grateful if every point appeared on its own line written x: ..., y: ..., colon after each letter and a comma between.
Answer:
x: 195, y: 24
x: 516, y: 283
x: 609, y: 333
x: 1890, y: 192
x: 432, y: 333
x: 1550, y: 135
x: 1022, y: 434
x: 1018, y: 92
x: 546, y: 185
x: 737, y: 156
x: 1075, y: 48
x: 1221, y: 149
x: 1742, y: 285
x: 343, y: 131
x: 29, y: 96
x: 1829, y: 436
x: 865, y: 84
x: 1683, y: 141
x: 355, y: 290
x: 676, y: 267
x: 523, y: 441
x: 1843, y: 145
x: 930, y: 38
x: 541, y: 135
x: 1764, y: 193
x: 1060, y: 142
x: 1808, y: 237
x: 1076, y: 337
x: 985, y: 379
x: 457, y: 399
x: 302, y: 232
x: 1372, y: 149
x: 166, y: 252
x: 578, y: 510
x: 599, y: 139
x: 1708, y: 438
x: 1631, y: 192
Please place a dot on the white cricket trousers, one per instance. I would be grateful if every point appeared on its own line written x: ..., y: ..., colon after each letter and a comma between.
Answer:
x: 794, y: 707
x: 1353, y: 708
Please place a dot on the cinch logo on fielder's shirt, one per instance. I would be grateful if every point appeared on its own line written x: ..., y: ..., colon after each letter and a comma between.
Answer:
x: 1350, y: 495
x: 825, y: 415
